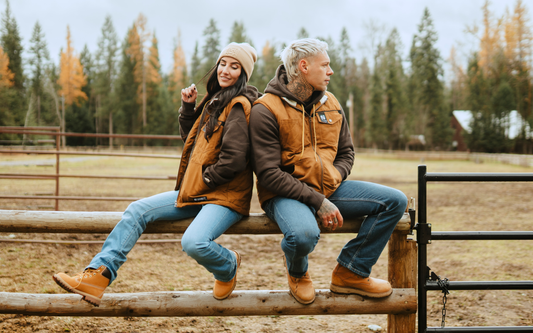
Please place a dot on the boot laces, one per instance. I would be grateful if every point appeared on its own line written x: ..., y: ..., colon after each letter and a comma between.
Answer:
x: 88, y: 273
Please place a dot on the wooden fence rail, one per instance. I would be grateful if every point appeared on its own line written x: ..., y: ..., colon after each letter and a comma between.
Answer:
x: 400, y: 307
x: 201, y: 303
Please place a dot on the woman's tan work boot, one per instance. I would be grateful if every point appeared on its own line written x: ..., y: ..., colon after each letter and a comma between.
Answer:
x: 222, y: 290
x: 90, y: 283
x: 344, y: 281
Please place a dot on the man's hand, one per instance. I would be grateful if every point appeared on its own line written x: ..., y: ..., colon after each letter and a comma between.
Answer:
x: 329, y: 215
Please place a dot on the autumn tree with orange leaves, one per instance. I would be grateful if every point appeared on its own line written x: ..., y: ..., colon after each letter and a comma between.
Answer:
x: 179, y: 72
x: 6, y: 81
x: 146, y: 70
x: 498, y: 80
x: 6, y: 77
x: 71, y: 79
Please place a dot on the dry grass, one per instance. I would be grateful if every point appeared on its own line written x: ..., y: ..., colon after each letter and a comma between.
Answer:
x: 468, y: 206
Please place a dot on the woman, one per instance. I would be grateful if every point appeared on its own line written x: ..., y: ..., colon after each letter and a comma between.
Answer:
x: 214, y: 182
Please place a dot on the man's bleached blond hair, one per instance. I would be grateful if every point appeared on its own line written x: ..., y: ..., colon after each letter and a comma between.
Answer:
x: 298, y: 50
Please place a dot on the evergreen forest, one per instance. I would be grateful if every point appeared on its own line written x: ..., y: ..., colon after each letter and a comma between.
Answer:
x: 396, y: 99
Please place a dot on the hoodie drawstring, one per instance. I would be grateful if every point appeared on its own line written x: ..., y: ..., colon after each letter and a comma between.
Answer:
x: 303, y: 130
x: 314, y: 130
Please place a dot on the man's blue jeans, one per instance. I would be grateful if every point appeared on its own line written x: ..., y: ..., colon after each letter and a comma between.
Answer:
x: 210, y: 222
x: 384, y: 207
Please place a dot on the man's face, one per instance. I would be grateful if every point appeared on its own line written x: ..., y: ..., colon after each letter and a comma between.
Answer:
x: 318, y: 71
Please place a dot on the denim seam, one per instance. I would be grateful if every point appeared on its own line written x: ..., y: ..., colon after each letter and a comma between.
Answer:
x: 290, y: 228
x: 349, y: 265
x: 220, y: 254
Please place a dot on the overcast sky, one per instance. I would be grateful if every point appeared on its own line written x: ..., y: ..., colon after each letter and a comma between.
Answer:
x: 277, y: 21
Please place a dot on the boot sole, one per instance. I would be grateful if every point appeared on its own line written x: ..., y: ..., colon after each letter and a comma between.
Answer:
x: 351, y: 291
x: 91, y: 299
x: 234, y: 281
x: 299, y: 300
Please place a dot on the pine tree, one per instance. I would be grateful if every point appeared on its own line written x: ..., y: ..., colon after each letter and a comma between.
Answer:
x: 265, y: 68
x: 427, y: 93
x: 138, y: 36
x: 81, y: 118
x: 302, y: 33
x: 238, y: 34
x: 377, y: 125
x: 362, y: 103
x: 106, y: 74
x: 395, y: 96
x: 11, y: 43
x: 196, y: 64
x: 38, y: 63
x: 211, y: 48
x: 155, y: 114
x: 127, y: 120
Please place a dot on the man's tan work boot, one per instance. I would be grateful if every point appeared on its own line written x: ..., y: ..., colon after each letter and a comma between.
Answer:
x: 301, y: 288
x: 90, y: 283
x: 222, y: 290
x: 344, y: 281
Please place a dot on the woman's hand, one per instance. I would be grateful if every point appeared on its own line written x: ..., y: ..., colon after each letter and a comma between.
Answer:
x: 189, y: 94
x: 329, y: 215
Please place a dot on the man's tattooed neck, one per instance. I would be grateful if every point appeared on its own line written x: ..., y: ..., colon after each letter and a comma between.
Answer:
x: 300, y: 88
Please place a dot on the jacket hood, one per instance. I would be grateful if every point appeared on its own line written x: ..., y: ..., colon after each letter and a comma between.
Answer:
x: 251, y: 93
x: 278, y: 86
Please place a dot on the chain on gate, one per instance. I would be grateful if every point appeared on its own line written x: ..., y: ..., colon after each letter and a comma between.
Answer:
x: 443, y: 284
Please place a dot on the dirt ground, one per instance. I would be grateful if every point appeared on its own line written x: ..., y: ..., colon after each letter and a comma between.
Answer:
x: 164, y: 267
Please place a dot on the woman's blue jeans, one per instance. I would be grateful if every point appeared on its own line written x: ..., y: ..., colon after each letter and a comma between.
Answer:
x: 210, y: 222
x: 383, y: 206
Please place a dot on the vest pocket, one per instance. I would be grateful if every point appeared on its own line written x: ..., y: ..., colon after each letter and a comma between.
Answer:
x: 290, y: 135
x: 328, y: 128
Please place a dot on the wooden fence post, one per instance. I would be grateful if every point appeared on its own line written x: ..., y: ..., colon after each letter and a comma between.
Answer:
x: 402, y: 274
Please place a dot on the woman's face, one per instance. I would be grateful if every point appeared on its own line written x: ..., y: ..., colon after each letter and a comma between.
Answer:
x: 228, y: 72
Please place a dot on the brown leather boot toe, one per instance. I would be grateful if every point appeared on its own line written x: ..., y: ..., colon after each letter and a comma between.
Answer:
x: 344, y: 281
x: 90, y: 284
x: 301, y: 288
x: 222, y: 290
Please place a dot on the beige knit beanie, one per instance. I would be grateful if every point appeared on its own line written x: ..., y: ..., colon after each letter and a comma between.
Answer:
x: 244, y: 53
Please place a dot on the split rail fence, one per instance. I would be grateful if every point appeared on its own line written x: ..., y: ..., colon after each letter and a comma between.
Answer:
x: 400, y: 307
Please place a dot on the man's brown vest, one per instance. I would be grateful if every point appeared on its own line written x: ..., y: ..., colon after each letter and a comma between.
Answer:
x: 313, y: 160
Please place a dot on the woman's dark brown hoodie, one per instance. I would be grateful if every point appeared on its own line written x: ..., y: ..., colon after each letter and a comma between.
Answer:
x: 217, y: 170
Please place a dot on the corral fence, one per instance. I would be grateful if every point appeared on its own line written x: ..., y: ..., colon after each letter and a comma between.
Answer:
x: 428, y: 280
x: 513, y: 159
x: 55, y: 132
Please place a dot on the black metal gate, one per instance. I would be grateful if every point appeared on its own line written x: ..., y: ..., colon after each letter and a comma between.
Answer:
x: 428, y: 280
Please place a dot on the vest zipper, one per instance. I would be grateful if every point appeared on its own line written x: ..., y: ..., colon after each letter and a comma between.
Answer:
x: 199, y: 129
x: 315, y: 148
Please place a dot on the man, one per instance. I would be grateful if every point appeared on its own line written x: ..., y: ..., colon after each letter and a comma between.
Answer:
x: 302, y: 153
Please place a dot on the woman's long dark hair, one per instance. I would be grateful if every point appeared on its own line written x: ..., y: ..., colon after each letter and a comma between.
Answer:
x: 218, y: 98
